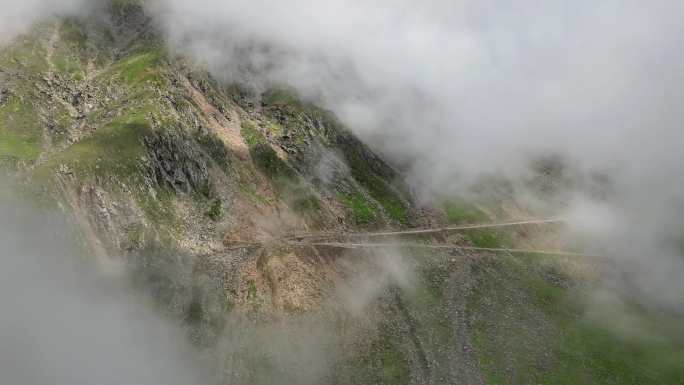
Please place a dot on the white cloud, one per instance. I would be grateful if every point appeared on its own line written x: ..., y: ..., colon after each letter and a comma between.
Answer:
x: 463, y: 87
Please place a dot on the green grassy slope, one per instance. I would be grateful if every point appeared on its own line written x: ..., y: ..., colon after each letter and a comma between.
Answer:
x: 529, y: 329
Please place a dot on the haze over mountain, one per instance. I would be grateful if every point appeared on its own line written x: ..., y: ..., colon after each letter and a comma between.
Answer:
x: 230, y: 169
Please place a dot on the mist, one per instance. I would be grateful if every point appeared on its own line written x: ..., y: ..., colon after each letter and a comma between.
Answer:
x: 454, y: 90
x: 467, y: 84
x: 17, y: 17
x: 65, y: 322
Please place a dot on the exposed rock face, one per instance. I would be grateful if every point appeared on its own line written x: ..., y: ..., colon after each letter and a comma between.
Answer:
x: 175, y: 163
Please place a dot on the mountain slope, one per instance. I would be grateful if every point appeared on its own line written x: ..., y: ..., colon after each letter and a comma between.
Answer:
x: 194, y: 184
x: 108, y: 109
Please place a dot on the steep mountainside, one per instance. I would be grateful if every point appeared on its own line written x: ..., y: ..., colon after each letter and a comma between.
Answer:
x: 108, y: 114
x: 194, y: 184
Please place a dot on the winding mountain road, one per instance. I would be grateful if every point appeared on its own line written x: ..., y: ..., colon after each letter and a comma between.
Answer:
x: 304, y: 236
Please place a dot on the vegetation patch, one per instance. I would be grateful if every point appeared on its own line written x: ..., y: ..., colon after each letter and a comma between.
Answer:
x: 20, y: 130
x: 458, y: 211
x: 159, y: 210
x: 362, y: 212
x: 282, y: 97
x: 135, y: 235
x: 265, y: 158
x: 433, y: 328
x: 528, y: 330
x: 114, y: 149
x: 285, y: 106
x: 283, y: 178
x: 251, y: 135
x: 386, y: 194
x: 393, y: 205
x: 487, y: 239
x: 307, y: 205
x: 268, y: 162
x: 206, y: 198
x: 140, y: 68
x: 68, y: 54
x: 63, y: 120
x: 71, y: 32
x: 249, y: 188
x: 385, y: 363
x: 28, y: 53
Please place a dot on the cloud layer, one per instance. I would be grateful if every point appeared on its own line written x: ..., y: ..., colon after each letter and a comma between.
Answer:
x: 64, y: 323
x: 17, y: 16
x: 461, y: 86
x: 458, y: 89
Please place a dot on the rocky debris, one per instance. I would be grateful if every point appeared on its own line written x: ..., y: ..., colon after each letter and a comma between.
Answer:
x: 98, y: 202
x: 64, y: 170
x: 4, y: 95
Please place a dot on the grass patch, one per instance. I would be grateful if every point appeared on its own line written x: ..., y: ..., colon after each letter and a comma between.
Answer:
x: 382, y: 191
x: 487, y: 239
x: 282, y: 97
x: 28, y: 53
x: 360, y: 209
x: 394, y: 368
x: 251, y: 135
x: 250, y: 190
x: 114, y: 149
x: 385, y: 194
x: 265, y: 158
x: 160, y: 211
x: 527, y: 330
x: 72, y: 32
x: 20, y: 131
x: 140, y: 68
x: 458, y: 211
x: 384, y: 363
x: 274, y: 128
x: 268, y: 161
x: 251, y: 290
x: 67, y: 57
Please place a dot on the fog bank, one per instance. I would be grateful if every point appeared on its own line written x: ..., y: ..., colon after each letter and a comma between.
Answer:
x: 454, y: 90
x: 17, y: 17
x: 64, y: 323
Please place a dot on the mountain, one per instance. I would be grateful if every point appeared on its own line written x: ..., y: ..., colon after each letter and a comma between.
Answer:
x: 205, y: 189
